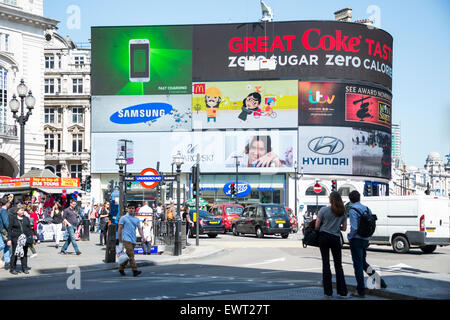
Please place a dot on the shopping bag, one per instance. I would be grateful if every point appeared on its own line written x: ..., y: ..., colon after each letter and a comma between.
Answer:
x: 311, y: 237
x: 122, y: 256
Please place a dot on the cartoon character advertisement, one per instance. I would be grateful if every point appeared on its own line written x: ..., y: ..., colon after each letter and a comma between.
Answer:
x: 245, y: 104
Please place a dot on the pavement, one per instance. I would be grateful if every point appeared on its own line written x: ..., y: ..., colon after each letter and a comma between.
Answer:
x: 49, y: 261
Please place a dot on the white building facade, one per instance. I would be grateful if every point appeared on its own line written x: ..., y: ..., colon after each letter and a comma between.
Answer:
x: 22, y: 27
x: 67, y: 108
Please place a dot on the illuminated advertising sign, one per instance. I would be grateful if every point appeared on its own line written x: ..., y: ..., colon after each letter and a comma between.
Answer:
x: 343, y: 104
x: 261, y: 151
x: 141, y: 113
x: 345, y: 150
x: 141, y: 60
x: 245, y: 104
x: 301, y: 49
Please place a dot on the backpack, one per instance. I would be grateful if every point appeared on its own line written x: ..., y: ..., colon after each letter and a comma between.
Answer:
x: 367, y: 223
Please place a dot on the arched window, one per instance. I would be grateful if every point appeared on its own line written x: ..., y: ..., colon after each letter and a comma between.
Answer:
x: 346, y: 189
x: 3, y: 96
x: 310, y: 191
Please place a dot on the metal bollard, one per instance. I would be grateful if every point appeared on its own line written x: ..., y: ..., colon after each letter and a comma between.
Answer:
x: 85, y: 230
x: 178, y: 240
x: 110, y: 254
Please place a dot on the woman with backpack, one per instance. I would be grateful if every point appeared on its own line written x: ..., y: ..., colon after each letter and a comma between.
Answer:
x: 330, y: 221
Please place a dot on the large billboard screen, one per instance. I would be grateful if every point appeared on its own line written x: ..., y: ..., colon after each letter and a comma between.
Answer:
x: 262, y: 151
x: 345, y: 151
x: 343, y: 104
x: 141, y: 60
x: 245, y: 104
x: 141, y: 113
x: 301, y: 49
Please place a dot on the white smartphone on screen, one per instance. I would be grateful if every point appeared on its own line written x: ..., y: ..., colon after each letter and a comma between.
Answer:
x: 139, y: 54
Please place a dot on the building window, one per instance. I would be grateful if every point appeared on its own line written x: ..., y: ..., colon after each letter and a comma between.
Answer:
x: 77, y: 85
x: 59, y: 115
x: 6, y: 42
x: 79, y: 60
x: 77, y: 142
x: 59, y: 61
x: 52, y: 142
x: 49, y: 115
x: 77, y: 115
x: 49, y: 86
x: 58, y: 89
x: 49, y: 62
x: 3, y: 95
x: 76, y: 170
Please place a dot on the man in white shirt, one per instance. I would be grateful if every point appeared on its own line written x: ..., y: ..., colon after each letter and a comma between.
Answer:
x: 146, y: 210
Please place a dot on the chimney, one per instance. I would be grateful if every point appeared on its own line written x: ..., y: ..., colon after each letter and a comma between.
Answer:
x: 343, y: 15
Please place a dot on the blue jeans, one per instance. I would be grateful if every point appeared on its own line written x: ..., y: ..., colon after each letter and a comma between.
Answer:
x: 70, y: 239
x: 5, y: 248
x: 358, y: 247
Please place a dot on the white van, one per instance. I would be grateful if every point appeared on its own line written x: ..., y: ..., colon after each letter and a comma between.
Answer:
x: 409, y: 221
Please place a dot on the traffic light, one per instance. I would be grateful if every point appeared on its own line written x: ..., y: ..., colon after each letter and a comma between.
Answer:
x: 110, y: 186
x: 194, y: 181
x: 366, y: 189
x: 333, y: 185
x: 233, y: 189
x: 83, y: 186
x: 88, y: 183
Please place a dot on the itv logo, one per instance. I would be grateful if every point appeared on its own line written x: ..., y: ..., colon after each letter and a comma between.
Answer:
x: 319, y: 96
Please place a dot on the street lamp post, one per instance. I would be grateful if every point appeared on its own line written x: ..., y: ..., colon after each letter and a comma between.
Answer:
x: 121, y: 162
x: 297, y: 177
x: 178, y: 161
x: 237, y: 177
x: 14, y: 105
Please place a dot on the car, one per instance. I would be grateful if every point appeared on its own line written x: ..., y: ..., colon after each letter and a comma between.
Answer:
x: 228, y: 213
x: 262, y: 219
x: 208, y: 224
x: 292, y: 219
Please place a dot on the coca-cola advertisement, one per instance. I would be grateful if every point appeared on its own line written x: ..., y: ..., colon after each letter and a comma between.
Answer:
x: 305, y: 50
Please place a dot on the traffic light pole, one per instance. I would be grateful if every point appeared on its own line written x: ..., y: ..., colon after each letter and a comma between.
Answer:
x: 197, y: 223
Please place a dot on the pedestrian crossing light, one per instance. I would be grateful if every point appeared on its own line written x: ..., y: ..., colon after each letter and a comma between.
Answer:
x: 88, y: 184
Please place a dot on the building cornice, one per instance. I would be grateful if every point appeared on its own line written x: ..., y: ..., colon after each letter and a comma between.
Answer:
x: 16, y: 14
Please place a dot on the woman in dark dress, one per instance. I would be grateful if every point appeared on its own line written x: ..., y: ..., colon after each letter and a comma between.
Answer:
x: 104, y: 219
x: 19, y: 230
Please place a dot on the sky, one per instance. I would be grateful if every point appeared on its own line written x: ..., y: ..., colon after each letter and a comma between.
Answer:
x: 421, y: 32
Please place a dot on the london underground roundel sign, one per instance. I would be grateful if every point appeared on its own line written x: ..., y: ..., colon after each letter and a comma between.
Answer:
x: 317, y: 188
x: 151, y: 179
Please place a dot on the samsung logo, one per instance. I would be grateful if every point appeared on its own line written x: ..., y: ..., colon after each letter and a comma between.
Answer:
x: 141, y: 113
x: 326, y: 145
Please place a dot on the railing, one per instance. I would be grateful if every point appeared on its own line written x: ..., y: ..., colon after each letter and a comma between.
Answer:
x: 49, y: 155
x: 164, y: 233
x: 8, y: 130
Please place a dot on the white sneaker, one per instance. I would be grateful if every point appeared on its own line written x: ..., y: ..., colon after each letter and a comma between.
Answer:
x: 33, y: 255
x: 2, y: 263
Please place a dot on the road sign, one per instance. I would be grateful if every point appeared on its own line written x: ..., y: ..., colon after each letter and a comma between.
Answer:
x: 170, y: 177
x: 149, y: 178
x: 317, y: 188
x: 129, y: 178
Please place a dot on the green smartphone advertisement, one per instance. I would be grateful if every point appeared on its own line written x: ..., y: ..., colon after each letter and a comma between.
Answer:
x: 141, y: 60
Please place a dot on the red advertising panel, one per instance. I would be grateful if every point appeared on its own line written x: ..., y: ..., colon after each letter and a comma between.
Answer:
x: 367, y: 105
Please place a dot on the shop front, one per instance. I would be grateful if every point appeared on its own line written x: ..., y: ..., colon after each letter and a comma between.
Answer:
x: 252, y: 188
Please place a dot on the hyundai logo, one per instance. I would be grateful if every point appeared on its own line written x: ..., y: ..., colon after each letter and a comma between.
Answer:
x: 326, y: 145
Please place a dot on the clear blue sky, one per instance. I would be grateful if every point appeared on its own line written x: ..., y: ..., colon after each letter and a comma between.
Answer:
x: 421, y: 31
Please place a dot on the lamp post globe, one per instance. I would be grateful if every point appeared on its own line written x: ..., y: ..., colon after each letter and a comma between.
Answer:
x: 22, y: 89
x: 14, y: 104
x: 30, y: 101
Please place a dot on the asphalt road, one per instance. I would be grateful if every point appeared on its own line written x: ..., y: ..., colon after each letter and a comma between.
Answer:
x: 249, y: 268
